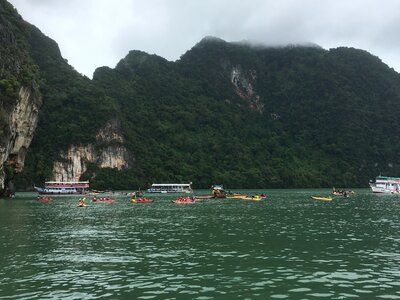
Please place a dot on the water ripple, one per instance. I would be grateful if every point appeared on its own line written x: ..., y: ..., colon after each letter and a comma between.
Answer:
x: 283, y: 248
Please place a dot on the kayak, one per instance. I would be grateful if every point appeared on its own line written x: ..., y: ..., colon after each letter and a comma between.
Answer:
x: 243, y: 197
x: 44, y: 199
x: 236, y: 197
x: 203, y: 197
x: 183, y: 201
x: 81, y: 205
x: 322, y: 198
x: 141, y: 201
x: 103, y: 200
x: 252, y: 198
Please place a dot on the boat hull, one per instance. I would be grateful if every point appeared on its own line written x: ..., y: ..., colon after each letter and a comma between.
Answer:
x: 59, y: 193
x: 385, y: 185
x: 383, y: 190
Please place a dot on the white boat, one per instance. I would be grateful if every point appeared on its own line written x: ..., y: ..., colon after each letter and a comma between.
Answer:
x: 385, y: 184
x: 171, y: 188
x: 63, y: 188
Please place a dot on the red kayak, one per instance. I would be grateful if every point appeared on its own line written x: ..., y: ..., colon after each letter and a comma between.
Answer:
x: 108, y: 200
x: 44, y: 199
x: 141, y: 201
x: 184, y: 200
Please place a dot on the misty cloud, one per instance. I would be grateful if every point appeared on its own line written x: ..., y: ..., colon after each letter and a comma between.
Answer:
x: 93, y: 33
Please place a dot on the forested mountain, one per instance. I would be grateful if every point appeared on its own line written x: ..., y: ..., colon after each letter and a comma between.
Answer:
x: 20, y: 97
x: 248, y: 116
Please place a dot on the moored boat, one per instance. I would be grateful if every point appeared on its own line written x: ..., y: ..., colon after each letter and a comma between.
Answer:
x: 170, y: 188
x: 63, y: 188
x: 385, y: 184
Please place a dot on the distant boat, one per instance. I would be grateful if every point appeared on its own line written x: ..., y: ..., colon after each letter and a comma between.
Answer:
x: 218, y: 191
x: 385, y: 184
x: 63, y: 188
x: 170, y: 188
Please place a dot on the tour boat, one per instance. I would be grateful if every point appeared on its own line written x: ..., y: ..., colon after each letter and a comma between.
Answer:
x: 384, y: 184
x: 63, y: 188
x: 171, y: 188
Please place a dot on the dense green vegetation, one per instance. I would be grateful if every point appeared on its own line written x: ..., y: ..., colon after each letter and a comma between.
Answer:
x: 297, y: 117
x: 16, y: 65
x: 17, y: 70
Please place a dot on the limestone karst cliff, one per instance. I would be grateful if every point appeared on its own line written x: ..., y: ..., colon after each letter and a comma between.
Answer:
x: 249, y: 116
x: 20, y: 98
x: 110, y: 154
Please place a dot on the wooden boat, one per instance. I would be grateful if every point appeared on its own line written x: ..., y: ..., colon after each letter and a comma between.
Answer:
x: 322, y: 198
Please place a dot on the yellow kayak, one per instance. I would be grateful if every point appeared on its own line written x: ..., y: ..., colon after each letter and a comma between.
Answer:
x: 252, y: 198
x: 322, y: 198
x: 236, y: 197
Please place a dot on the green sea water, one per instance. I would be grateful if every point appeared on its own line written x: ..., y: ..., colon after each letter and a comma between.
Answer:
x: 287, y: 246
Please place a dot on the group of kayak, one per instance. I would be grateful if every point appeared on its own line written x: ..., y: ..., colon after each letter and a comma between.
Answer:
x: 241, y: 197
x: 341, y: 193
x: 135, y: 199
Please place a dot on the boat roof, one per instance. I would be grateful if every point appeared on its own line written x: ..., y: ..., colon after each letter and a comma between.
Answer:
x: 171, y: 184
x: 387, y: 178
x: 67, y: 182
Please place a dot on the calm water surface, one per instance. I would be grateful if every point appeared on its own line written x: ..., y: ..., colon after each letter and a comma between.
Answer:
x: 285, y: 247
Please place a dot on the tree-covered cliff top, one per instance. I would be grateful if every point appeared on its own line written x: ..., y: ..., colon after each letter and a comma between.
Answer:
x: 246, y: 115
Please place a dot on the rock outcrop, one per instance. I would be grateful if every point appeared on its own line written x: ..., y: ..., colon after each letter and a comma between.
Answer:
x: 22, y: 123
x: 243, y: 85
x: 73, y: 162
x: 20, y: 98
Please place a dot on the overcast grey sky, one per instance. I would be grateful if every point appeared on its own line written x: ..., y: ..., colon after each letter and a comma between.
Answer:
x: 94, y: 33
